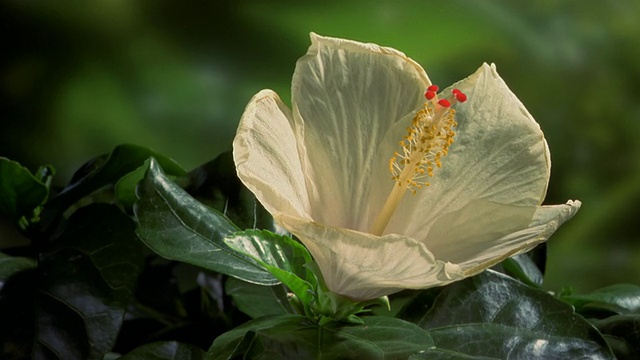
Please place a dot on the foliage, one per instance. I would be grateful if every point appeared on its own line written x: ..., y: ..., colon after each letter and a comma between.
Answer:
x: 173, y: 276
x: 175, y: 77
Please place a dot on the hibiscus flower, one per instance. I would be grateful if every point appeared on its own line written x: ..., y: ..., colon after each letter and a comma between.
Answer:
x: 390, y: 184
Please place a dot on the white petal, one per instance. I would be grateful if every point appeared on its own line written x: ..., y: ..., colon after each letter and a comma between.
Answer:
x: 460, y: 235
x: 362, y: 266
x: 266, y: 156
x: 478, y: 256
x: 346, y: 95
x: 499, y: 155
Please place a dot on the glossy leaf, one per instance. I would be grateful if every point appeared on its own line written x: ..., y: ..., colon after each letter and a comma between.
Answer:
x: 17, y: 315
x: 523, y: 268
x: 282, y: 256
x: 619, y: 298
x: 20, y: 191
x: 419, y: 304
x: 257, y: 300
x: 216, y: 184
x: 397, y: 303
x: 622, y: 332
x: 166, y: 350
x: 10, y: 265
x: 496, y: 316
x: 296, y: 337
x: 125, y: 188
x: 528, y: 267
x: 178, y: 227
x: 86, y: 284
x: 108, y: 169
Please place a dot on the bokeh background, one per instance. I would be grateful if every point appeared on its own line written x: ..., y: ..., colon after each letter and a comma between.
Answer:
x: 78, y: 78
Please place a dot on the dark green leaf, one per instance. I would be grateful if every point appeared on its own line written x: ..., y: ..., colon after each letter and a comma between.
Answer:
x: 216, y: 184
x: 167, y: 350
x: 10, y: 265
x: 440, y: 354
x: 86, y: 285
x: 125, y: 188
x: 257, y: 300
x: 623, y: 334
x: 619, y: 298
x: 107, y: 237
x: 177, y: 227
x: 280, y: 255
x: 496, y: 316
x: 17, y: 315
x: 377, y: 338
x: 524, y: 269
x: 397, y: 303
x: 20, y: 191
x: 108, y: 169
x: 296, y: 337
x: 415, y: 309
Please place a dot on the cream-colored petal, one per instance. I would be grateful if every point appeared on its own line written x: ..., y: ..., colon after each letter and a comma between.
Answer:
x: 266, y: 156
x: 362, y: 266
x: 499, y: 155
x: 346, y: 95
x: 476, y: 256
x: 459, y: 235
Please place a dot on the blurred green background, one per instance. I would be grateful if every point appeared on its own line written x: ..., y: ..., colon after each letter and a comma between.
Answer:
x: 78, y: 78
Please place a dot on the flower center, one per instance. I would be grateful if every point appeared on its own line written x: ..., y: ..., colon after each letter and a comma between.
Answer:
x: 426, y: 143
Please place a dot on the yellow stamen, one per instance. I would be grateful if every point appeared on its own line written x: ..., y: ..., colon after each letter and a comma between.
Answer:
x: 427, y: 142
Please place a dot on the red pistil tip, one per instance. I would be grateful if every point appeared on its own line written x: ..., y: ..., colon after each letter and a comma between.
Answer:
x: 430, y: 94
x: 456, y: 91
x: 433, y: 88
x: 444, y: 103
x: 460, y: 96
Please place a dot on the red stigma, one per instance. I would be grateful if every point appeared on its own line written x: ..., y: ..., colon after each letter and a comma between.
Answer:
x: 444, y: 103
x: 460, y: 96
x: 433, y: 88
x: 456, y: 91
x: 430, y: 94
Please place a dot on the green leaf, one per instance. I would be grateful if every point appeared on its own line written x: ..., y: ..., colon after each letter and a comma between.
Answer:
x: 296, y: 337
x: 622, y: 332
x: 282, y: 256
x: 125, y: 188
x: 523, y: 268
x: 177, y: 227
x: 17, y: 315
x: 87, y: 283
x: 216, y: 184
x: 10, y: 265
x: 107, y: 237
x: 108, y: 169
x: 20, y: 191
x: 415, y: 309
x: 496, y: 316
x: 257, y: 300
x: 397, y: 303
x: 275, y: 250
x: 619, y: 298
x: 166, y: 350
